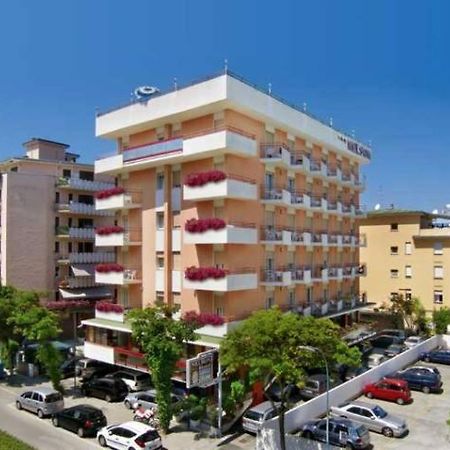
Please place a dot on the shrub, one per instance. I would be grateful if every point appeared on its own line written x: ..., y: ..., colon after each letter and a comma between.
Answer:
x: 104, y: 231
x: 67, y: 304
x: 202, y: 178
x: 109, y: 307
x: 202, y: 273
x: 109, y: 267
x: 202, y: 225
x: 109, y: 192
x: 202, y: 319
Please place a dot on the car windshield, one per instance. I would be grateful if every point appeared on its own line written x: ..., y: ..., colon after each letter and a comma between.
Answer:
x: 253, y: 415
x: 379, y: 412
x: 53, y: 398
x: 361, y: 431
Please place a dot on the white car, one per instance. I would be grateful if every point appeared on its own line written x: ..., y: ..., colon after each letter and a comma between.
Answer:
x: 136, y: 381
x: 412, y: 341
x: 375, y: 359
x: 130, y: 436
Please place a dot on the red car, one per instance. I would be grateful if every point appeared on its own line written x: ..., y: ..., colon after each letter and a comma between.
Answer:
x: 391, y: 389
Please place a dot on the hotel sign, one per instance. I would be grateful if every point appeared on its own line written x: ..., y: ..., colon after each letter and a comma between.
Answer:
x: 201, y: 370
x: 356, y: 148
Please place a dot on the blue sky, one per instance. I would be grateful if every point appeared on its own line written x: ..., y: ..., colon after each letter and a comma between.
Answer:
x: 380, y: 68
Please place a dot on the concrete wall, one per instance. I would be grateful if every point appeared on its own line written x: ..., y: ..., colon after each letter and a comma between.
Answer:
x: 317, y: 407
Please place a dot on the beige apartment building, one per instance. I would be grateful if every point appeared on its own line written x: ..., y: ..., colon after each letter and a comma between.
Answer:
x: 48, y: 221
x: 407, y: 252
x: 231, y: 201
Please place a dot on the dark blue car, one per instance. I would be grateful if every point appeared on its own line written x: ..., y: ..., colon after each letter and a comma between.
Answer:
x: 436, y: 356
x: 420, y: 379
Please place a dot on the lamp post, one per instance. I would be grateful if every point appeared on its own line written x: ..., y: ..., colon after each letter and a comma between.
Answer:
x: 322, y: 354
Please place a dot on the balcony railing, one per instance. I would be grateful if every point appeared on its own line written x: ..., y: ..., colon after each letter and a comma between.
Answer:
x: 81, y: 208
x: 271, y: 234
x: 315, y: 166
x: 273, y: 150
x: 316, y: 202
x: 129, y: 358
x: 88, y: 258
x: 77, y: 282
x: 82, y: 185
x: 272, y: 193
x: 75, y: 233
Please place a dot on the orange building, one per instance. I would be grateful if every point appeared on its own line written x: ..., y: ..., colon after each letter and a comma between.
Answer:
x: 232, y: 201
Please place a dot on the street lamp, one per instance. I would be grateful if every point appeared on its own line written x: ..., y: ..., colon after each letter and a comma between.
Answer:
x: 322, y: 354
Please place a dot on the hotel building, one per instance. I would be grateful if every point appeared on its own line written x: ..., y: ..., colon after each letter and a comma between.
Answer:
x: 233, y: 201
x: 407, y: 252
x: 48, y: 221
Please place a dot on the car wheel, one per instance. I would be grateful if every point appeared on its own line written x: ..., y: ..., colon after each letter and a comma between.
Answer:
x: 369, y: 395
x: 127, y: 404
x: 19, y: 405
x: 108, y: 398
x: 40, y: 413
x: 102, y: 441
x: 55, y: 421
x: 80, y: 432
x: 308, y: 435
x: 387, y: 432
x: 400, y: 401
x: 426, y: 390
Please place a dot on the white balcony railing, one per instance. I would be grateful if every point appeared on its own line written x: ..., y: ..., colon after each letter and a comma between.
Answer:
x: 82, y: 185
x: 81, y: 208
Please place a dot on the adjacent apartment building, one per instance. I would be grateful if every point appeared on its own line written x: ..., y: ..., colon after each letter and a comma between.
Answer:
x: 48, y: 218
x: 230, y: 201
x: 407, y: 252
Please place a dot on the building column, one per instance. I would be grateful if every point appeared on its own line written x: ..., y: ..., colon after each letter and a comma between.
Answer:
x: 168, y: 221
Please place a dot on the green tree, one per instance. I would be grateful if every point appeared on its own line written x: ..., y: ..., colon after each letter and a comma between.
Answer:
x: 162, y: 341
x: 441, y: 319
x: 407, y: 312
x: 267, y: 345
x: 37, y: 323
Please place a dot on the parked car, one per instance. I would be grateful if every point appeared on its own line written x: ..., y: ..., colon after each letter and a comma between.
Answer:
x: 421, y: 380
x: 136, y: 381
x: 254, y: 417
x: 85, y: 420
x: 130, y: 436
x: 291, y: 391
x: 372, y: 416
x: 315, y: 385
x: 426, y: 369
x: 342, y: 432
x: 391, y: 389
x: 401, y: 334
x: 383, y: 341
x: 365, y: 347
x: 68, y: 367
x: 394, y: 350
x: 436, y: 356
x: 109, y: 389
x: 43, y: 401
x: 412, y: 341
x: 90, y: 368
x: 355, y: 371
x: 146, y: 398
x: 375, y: 359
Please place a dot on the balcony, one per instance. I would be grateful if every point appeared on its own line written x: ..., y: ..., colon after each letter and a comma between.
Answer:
x: 318, y: 202
x: 301, y: 275
x: 276, y: 195
x: 277, y: 277
x: 300, y: 199
x: 300, y: 161
x: 346, y: 178
x: 116, y: 274
x: 275, y: 235
x: 299, y: 237
x: 67, y: 232
x: 204, y: 144
x: 320, y: 274
x: 276, y: 154
x: 232, y: 186
x: 123, y: 200
x: 119, y: 238
x: 77, y: 184
x: 233, y: 280
x: 77, y: 282
x: 231, y: 233
x: 83, y: 209
x: 87, y: 258
x: 129, y: 358
x: 319, y: 238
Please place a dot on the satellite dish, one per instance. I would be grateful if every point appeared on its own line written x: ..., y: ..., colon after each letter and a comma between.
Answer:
x: 377, y: 207
x: 435, y: 211
x: 145, y: 91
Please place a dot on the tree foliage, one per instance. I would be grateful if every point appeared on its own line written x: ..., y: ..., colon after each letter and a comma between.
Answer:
x: 267, y: 344
x: 162, y: 341
x: 441, y: 319
x: 408, y: 313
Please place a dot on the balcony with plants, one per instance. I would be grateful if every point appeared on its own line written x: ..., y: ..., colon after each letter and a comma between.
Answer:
x: 78, y: 184
x: 117, y: 198
x: 117, y: 236
x: 114, y: 273
x: 220, y: 279
x: 66, y: 232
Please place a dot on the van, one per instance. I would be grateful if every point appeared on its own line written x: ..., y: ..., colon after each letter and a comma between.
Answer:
x: 315, y: 385
x: 256, y: 416
x: 43, y: 401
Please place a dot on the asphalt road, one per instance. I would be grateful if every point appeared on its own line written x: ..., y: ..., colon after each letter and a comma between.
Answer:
x: 38, y: 433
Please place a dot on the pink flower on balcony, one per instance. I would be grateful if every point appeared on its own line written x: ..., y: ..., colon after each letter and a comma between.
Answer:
x: 109, y: 267
x: 202, y: 178
x: 202, y: 273
x: 105, y: 231
x: 109, y: 192
x: 202, y: 225
x: 67, y: 304
x: 201, y: 319
x: 109, y: 307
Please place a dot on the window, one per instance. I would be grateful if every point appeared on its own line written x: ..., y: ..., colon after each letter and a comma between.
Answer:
x: 160, y: 181
x: 438, y: 248
x: 160, y: 262
x: 269, y: 180
x: 394, y: 226
x: 408, y: 294
x: 408, y: 271
x: 67, y: 173
x: 394, y: 250
x: 69, y: 246
x: 13, y: 169
x: 85, y: 247
x: 408, y: 248
x: 160, y: 220
x: 86, y: 175
x: 86, y: 199
x: 438, y: 297
x: 56, y: 247
x: 269, y: 302
x: 83, y: 223
x: 438, y: 272
x: 56, y: 197
x: 394, y: 273
x: 56, y: 222
x: 176, y: 178
x: 291, y: 298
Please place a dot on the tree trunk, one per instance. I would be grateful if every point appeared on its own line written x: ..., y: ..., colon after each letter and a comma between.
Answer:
x: 281, y: 426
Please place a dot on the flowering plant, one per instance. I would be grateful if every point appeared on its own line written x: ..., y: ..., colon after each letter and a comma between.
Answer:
x: 202, y: 319
x: 109, y: 267
x: 67, y: 304
x: 104, y: 231
x: 109, y: 192
x: 202, y: 225
x: 109, y: 307
x: 201, y: 178
x: 202, y: 273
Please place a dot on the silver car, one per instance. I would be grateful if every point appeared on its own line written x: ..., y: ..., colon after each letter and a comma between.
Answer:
x: 147, y: 399
x: 372, y: 416
x: 41, y: 401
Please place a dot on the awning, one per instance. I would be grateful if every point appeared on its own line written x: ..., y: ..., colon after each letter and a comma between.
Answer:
x: 96, y: 292
x: 83, y: 270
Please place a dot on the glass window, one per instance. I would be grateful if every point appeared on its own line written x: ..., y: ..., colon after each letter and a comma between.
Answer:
x: 176, y: 178
x: 86, y: 175
x: 438, y: 248
x: 67, y: 173
x: 394, y: 226
x: 394, y: 250
x: 438, y: 297
x: 408, y: 271
x: 27, y: 394
x: 438, y: 272
x: 160, y: 220
x: 160, y: 181
x: 394, y: 273
x: 160, y: 262
x: 408, y: 248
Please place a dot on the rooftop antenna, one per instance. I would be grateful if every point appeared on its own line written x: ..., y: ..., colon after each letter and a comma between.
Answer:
x: 175, y: 83
x: 304, y: 106
x: 270, y: 88
x: 226, y: 65
x: 331, y: 121
x: 353, y: 134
